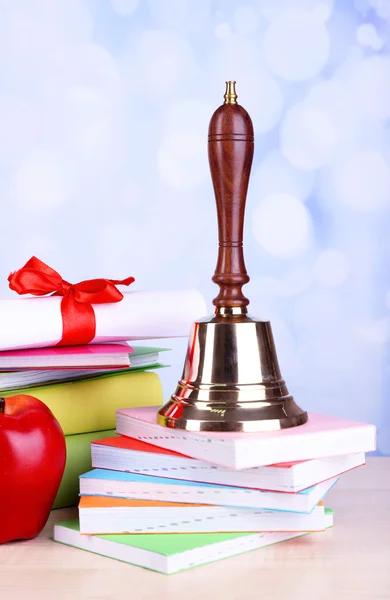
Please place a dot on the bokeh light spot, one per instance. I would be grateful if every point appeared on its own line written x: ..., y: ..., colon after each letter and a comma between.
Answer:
x: 264, y: 99
x: 296, y: 46
x: 125, y: 8
x: 223, y: 30
x: 273, y: 10
x: 367, y: 36
x: 246, y: 19
x: 362, y: 181
x: 276, y: 174
x: 370, y: 87
x: 281, y: 225
x: 308, y: 137
x: 181, y: 159
x: 38, y: 184
x: 331, y: 268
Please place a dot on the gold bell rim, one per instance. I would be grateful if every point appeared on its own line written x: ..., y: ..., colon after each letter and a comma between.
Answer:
x: 247, y: 426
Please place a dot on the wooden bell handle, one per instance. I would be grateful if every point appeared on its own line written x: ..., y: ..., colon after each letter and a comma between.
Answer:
x: 230, y: 151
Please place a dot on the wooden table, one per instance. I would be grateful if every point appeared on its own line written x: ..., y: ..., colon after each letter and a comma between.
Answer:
x: 350, y: 561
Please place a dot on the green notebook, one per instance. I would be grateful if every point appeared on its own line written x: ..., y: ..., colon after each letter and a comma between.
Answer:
x: 169, y: 553
x: 78, y: 461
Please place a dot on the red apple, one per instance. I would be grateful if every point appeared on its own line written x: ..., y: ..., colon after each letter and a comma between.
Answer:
x: 32, y: 462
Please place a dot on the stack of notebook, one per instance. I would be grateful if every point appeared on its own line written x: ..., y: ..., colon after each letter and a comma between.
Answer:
x: 83, y: 386
x: 169, y: 499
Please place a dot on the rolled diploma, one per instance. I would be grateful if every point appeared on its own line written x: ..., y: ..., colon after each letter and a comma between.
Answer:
x: 37, y: 322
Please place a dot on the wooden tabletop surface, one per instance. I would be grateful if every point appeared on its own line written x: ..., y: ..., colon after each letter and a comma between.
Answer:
x: 351, y: 561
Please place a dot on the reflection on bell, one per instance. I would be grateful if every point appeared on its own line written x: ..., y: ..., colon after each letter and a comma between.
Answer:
x: 231, y: 379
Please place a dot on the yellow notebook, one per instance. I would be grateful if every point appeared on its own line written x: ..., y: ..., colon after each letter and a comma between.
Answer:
x: 90, y: 404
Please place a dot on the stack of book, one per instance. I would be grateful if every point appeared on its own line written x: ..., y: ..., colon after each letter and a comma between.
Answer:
x: 83, y: 386
x: 168, y: 499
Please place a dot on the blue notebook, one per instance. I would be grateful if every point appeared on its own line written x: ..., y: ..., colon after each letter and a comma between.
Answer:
x: 104, y: 482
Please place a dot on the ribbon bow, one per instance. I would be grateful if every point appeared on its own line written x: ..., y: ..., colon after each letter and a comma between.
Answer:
x: 78, y: 316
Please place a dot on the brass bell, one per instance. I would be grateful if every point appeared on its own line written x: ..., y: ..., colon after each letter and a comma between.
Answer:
x: 231, y: 379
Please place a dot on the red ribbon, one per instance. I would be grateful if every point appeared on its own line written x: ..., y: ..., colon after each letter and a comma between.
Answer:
x: 78, y: 316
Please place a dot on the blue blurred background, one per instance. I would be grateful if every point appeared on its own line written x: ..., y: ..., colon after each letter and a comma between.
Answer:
x: 104, y: 110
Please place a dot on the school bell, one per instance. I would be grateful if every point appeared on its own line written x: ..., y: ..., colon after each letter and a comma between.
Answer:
x: 231, y: 380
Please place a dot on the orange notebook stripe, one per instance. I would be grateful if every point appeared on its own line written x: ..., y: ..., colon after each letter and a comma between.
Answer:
x: 107, y: 502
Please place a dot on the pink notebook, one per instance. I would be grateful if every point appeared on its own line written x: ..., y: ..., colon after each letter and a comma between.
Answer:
x: 63, y: 357
x: 321, y: 436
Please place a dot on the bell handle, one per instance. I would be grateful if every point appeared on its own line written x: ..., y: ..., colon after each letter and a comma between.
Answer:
x: 230, y: 153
